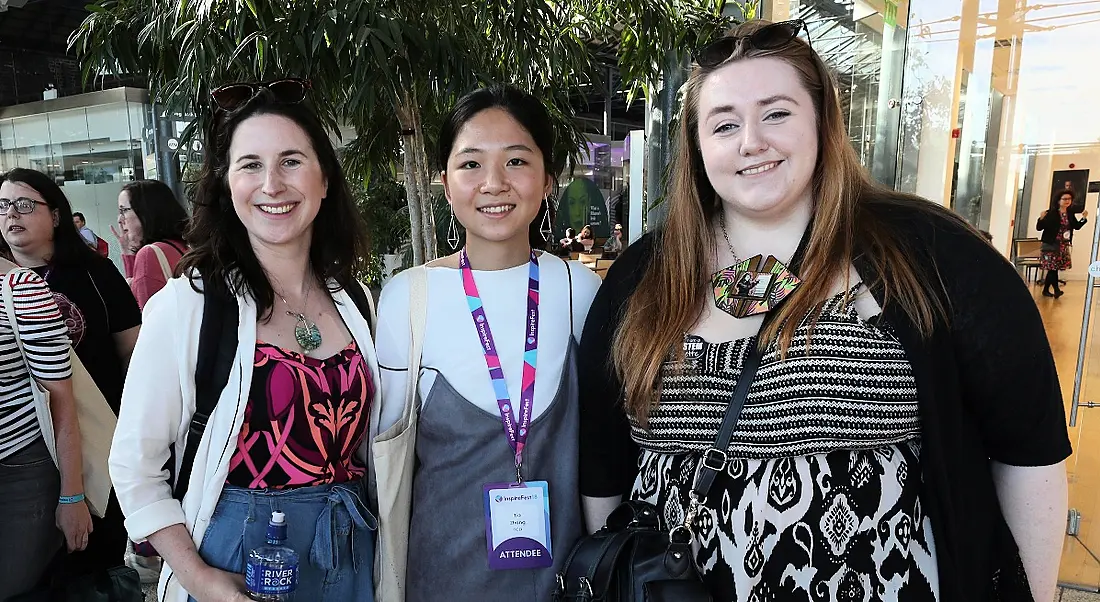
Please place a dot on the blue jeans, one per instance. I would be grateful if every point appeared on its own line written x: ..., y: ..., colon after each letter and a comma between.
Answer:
x: 329, y: 526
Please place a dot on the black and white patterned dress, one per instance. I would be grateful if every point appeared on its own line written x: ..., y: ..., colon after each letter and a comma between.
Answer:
x: 821, y: 498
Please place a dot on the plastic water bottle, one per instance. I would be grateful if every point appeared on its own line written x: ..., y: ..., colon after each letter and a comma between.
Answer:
x: 271, y: 574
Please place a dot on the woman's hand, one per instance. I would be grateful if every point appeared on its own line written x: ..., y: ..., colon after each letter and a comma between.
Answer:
x: 221, y: 586
x: 75, y: 521
x: 1042, y: 216
x: 1085, y: 213
x: 123, y: 240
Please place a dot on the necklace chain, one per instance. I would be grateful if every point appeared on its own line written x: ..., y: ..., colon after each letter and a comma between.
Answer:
x: 726, y: 235
x: 305, y: 303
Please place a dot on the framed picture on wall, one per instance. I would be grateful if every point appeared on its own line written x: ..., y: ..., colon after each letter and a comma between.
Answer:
x: 1070, y: 180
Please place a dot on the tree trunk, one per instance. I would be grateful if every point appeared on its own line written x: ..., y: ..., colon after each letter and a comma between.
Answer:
x: 424, y: 181
x: 413, y: 200
x: 417, y: 180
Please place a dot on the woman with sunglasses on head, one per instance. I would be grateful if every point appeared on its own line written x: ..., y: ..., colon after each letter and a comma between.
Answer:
x: 275, y: 232
x: 152, y: 223
x: 102, y: 317
x: 490, y: 415
x: 902, y: 432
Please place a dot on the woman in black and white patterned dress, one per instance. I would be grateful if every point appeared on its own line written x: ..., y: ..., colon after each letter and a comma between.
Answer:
x: 903, y: 437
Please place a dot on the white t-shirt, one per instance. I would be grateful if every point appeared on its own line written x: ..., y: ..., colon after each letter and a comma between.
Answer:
x: 451, y: 345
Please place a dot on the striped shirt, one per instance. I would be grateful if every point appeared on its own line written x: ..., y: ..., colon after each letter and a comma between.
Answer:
x: 46, y: 342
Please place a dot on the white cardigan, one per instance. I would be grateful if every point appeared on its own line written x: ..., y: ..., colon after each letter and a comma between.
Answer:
x: 159, y: 400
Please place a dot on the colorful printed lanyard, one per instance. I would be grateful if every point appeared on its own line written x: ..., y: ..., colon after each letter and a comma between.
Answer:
x: 516, y: 431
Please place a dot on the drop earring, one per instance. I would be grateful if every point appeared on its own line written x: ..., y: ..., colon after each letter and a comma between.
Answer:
x: 452, y: 232
x: 545, y: 228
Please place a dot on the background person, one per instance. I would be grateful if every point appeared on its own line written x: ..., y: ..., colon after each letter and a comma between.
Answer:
x: 1057, y: 225
x: 151, y: 220
x: 586, y: 238
x: 100, y: 314
x: 614, y: 244
x: 275, y: 226
x: 906, y: 405
x: 39, y: 509
x: 85, y: 232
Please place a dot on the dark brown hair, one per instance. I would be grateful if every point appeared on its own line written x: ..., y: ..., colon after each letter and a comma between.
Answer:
x: 673, y: 289
x: 161, y: 215
x: 69, y: 248
x: 220, y: 248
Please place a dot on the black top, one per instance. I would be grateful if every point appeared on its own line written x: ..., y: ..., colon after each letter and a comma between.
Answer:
x: 986, y: 386
x: 96, y: 303
x: 1051, y: 225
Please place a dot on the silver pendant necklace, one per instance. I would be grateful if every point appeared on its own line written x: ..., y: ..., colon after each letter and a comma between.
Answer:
x: 306, y: 333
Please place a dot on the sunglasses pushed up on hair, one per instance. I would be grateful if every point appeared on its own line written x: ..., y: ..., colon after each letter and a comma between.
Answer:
x: 231, y: 97
x: 768, y: 37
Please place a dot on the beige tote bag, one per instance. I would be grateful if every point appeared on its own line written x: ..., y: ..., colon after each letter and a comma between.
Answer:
x: 394, y: 452
x: 162, y: 259
x: 97, y: 419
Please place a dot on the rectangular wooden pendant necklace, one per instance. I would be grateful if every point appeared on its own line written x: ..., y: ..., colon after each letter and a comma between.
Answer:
x: 751, y: 286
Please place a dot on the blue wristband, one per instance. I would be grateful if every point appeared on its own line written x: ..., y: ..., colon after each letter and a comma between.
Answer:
x: 71, y: 499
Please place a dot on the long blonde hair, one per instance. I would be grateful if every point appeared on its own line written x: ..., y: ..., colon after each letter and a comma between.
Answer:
x: 674, y: 287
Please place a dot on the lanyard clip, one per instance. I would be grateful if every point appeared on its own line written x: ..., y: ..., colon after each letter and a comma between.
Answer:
x: 519, y: 472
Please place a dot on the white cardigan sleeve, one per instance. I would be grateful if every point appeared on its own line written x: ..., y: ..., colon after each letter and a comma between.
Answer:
x: 148, y: 422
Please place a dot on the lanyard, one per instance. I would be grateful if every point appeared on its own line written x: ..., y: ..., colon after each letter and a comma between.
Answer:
x: 515, y: 430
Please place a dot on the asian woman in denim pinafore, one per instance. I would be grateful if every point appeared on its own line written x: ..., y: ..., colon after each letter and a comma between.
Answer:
x: 497, y: 385
x: 275, y: 222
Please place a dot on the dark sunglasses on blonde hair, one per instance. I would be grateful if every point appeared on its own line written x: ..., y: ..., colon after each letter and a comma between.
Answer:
x: 769, y: 37
x: 231, y: 97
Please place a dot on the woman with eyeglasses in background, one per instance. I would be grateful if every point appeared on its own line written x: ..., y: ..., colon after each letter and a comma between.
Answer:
x: 903, y: 435
x: 275, y: 232
x: 151, y: 223
x: 100, y: 313
x: 41, y: 499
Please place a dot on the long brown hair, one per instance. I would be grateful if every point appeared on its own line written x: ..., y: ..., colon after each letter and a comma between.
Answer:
x: 846, y: 217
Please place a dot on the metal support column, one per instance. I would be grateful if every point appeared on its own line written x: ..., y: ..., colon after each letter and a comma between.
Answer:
x: 1090, y: 284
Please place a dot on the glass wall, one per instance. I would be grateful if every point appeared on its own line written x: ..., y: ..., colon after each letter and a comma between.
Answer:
x: 996, y: 113
x: 90, y: 144
x: 864, y: 43
x: 1001, y: 111
x: 1004, y: 114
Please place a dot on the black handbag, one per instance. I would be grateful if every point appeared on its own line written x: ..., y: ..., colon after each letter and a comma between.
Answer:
x: 632, y: 558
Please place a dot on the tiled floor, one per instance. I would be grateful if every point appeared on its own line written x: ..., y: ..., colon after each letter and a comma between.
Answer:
x: 1069, y: 595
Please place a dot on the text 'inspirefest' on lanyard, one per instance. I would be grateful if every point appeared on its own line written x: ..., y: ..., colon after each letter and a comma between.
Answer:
x: 515, y: 430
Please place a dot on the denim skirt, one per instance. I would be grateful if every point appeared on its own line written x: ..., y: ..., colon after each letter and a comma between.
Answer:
x: 329, y: 526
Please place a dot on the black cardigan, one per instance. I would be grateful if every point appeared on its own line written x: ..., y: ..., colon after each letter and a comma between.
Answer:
x: 986, y: 385
x: 1051, y: 224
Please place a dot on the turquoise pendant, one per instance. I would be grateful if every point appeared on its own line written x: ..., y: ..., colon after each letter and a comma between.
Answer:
x: 307, y: 334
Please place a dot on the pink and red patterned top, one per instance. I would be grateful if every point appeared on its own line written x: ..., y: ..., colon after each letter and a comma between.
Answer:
x: 304, y: 420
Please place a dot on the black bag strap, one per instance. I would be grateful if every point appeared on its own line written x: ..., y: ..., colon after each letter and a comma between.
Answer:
x: 716, y: 457
x: 217, y: 350
x: 359, y: 297
x: 714, y: 460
